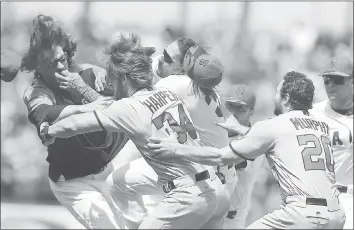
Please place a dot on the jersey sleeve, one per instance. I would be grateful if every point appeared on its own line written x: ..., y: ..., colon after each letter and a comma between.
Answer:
x: 36, y: 95
x: 258, y: 141
x: 120, y: 116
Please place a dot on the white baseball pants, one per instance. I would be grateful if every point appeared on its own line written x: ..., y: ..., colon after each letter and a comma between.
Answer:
x: 347, y: 201
x: 88, y: 200
x: 136, y: 191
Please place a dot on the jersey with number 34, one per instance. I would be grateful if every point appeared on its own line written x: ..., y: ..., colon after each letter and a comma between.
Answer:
x: 158, y: 113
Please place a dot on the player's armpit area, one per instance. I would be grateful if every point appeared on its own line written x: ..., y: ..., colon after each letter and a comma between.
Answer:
x: 238, y: 154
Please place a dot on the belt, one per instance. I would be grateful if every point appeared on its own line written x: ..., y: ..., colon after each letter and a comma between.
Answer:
x: 316, y: 201
x: 62, y: 177
x: 302, y: 201
x: 343, y: 189
x: 170, y: 185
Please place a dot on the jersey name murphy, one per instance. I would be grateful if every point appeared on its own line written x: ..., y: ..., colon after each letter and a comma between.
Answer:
x: 159, y: 99
x: 305, y: 123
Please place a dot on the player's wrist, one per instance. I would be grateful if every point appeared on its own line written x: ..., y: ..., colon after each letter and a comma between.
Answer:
x: 180, y: 149
x: 45, y: 135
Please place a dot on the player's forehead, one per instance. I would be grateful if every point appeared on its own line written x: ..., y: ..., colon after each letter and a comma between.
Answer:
x: 173, y: 50
x: 55, y: 52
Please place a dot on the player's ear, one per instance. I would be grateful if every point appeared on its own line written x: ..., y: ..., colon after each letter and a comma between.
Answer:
x: 124, y: 79
x: 287, y: 98
x: 251, y: 112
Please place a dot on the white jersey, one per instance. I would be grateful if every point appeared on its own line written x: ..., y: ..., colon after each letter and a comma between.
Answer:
x: 341, y: 135
x: 298, y: 152
x: 156, y: 113
x: 204, y: 111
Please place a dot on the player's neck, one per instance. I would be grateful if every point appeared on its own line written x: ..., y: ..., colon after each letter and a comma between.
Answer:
x: 343, y: 108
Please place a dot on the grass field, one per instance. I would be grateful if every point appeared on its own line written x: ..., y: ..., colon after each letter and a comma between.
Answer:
x: 34, y: 216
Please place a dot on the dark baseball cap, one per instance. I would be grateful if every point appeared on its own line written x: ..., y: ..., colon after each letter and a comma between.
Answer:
x: 339, y: 66
x: 206, y: 69
x: 242, y: 95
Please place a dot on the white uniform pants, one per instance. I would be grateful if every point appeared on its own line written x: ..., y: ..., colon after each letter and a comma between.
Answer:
x: 346, y: 200
x: 88, y: 200
x: 136, y: 191
x: 296, y: 214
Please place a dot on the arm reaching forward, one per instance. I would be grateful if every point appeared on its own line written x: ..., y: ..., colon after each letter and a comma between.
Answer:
x: 256, y: 142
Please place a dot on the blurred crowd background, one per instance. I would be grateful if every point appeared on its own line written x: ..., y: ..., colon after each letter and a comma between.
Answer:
x: 258, y: 43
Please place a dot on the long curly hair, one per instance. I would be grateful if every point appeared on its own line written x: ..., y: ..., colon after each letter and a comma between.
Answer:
x: 184, y: 45
x: 300, y: 89
x: 45, y: 33
x: 127, y: 56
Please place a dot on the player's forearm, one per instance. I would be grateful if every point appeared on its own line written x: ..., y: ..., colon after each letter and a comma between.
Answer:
x: 88, y: 93
x: 64, y: 128
x: 74, y: 125
x: 208, y: 155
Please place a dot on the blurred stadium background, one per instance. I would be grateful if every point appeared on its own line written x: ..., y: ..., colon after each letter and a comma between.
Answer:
x: 258, y: 42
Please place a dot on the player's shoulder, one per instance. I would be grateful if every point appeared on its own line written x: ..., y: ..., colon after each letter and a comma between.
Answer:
x: 265, y: 125
x: 174, y: 82
x: 37, y: 89
x: 319, y: 106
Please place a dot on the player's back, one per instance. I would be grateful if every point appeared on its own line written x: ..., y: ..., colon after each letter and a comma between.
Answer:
x: 159, y: 113
x: 204, y: 110
x: 300, y: 155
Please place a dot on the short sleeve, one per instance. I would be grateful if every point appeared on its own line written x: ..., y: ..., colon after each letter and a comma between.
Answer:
x: 258, y: 141
x: 36, y: 95
x: 121, y: 116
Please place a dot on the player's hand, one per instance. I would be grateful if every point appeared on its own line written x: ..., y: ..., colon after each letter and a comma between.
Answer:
x: 99, y: 104
x: 43, y: 132
x: 232, y: 125
x: 148, y: 50
x: 100, y: 80
x: 69, y: 81
x: 166, y: 146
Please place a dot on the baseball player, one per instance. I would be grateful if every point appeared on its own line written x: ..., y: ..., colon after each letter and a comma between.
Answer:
x: 241, y: 105
x: 298, y: 149
x: 192, y: 78
x: 190, y: 200
x: 338, y: 113
x: 78, y: 166
x: 192, y: 74
x: 194, y: 83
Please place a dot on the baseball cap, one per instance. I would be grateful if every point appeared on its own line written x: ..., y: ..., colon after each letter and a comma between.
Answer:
x: 339, y: 66
x: 202, y: 67
x: 242, y: 95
